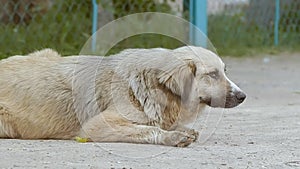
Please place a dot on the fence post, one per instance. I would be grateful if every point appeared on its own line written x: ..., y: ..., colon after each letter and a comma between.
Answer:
x: 94, y: 25
x: 198, y: 18
x: 191, y: 17
x: 276, y: 23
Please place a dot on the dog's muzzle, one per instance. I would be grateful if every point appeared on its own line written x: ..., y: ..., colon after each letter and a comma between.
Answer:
x: 231, y: 99
x: 234, y: 99
x: 234, y: 95
x: 240, y: 97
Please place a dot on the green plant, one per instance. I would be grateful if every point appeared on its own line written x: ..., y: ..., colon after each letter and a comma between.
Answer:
x: 126, y: 7
x: 146, y: 41
x: 65, y: 27
x: 234, y: 36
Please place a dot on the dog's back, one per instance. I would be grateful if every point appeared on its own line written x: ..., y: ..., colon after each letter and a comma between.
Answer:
x: 29, y: 89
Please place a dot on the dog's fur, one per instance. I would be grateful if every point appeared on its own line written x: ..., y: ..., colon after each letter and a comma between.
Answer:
x: 136, y: 96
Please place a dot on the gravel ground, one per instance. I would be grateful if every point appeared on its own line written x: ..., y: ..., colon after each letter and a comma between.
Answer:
x: 264, y: 132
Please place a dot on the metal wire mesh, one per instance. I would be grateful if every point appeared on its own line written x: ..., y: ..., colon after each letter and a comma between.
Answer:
x: 113, y: 9
x: 234, y: 26
x: 28, y: 25
x: 242, y: 26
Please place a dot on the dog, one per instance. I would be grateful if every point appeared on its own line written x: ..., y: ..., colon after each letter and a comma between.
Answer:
x: 136, y: 96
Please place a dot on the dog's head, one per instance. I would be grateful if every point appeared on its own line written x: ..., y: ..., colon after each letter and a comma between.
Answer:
x: 198, y: 75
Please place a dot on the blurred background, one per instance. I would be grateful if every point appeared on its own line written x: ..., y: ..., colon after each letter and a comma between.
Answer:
x: 235, y: 27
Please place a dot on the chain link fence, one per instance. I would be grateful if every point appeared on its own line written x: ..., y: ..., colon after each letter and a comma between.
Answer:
x: 28, y: 25
x: 245, y: 26
x: 235, y: 27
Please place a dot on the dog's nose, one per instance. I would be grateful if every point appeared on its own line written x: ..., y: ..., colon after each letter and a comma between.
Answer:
x: 240, y: 96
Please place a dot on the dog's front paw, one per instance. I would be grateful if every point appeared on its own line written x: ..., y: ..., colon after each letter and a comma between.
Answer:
x: 194, y: 133
x: 178, y: 139
x: 189, y: 131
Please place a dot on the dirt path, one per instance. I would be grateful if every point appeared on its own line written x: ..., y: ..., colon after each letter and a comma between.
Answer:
x: 264, y: 132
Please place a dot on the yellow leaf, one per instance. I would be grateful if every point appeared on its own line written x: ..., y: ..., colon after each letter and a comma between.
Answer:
x: 81, y: 140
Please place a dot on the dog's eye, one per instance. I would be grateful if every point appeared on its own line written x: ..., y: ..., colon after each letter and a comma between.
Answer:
x: 213, y: 74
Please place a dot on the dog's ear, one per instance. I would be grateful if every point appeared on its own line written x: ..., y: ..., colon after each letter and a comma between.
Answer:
x: 176, y: 76
x: 179, y: 77
x: 141, y: 85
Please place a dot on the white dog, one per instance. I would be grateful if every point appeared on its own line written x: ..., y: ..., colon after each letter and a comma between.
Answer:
x: 136, y: 96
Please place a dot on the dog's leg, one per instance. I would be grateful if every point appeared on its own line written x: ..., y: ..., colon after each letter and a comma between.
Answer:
x: 2, y: 130
x: 6, y: 124
x: 108, y: 128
